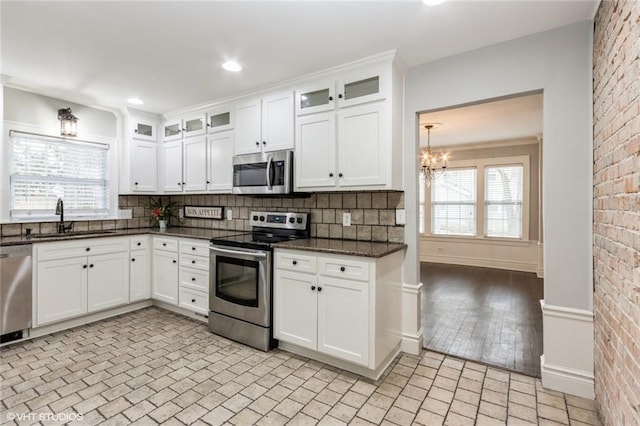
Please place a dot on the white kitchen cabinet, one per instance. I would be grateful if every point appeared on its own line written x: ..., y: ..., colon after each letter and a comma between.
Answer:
x: 144, y: 166
x: 220, y: 119
x: 165, y: 270
x: 220, y: 151
x: 172, y: 166
x: 77, y: 277
x: 139, y: 269
x: 349, y: 130
x: 296, y: 308
x: 265, y: 124
x: 182, y: 127
x: 61, y: 289
x: 194, y: 169
x: 138, y: 159
x: 108, y: 281
x: 355, y: 158
x: 368, y: 84
x: 194, y: 276
x: 339, y: 309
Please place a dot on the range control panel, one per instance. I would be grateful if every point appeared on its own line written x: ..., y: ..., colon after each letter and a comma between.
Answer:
x: 280, y: 220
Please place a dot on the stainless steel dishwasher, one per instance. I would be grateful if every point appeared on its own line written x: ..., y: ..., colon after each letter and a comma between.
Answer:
x: 15, y: 291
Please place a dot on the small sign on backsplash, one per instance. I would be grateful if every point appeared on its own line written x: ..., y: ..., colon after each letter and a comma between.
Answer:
x: 200, y: 212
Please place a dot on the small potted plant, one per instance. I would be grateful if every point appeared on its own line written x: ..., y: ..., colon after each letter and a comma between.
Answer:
x: 161, y: 212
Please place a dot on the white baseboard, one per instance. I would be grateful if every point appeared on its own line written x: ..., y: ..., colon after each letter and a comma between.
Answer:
x: 567, y: 380
x: 481, y: 262
x: 412, y: 343
x: 567, y: 362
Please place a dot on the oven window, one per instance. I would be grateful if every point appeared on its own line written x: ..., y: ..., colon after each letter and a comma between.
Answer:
x: 237, y: 280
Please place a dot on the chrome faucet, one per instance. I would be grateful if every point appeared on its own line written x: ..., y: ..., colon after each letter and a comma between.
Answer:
x: 62, y: 228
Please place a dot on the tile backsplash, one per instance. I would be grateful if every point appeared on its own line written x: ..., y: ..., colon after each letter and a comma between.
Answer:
x: 372, y: 214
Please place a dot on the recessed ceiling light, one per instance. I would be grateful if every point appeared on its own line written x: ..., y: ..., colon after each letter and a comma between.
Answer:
x: 135, y: 101
x: 433, y: 2
x: 232, y: 66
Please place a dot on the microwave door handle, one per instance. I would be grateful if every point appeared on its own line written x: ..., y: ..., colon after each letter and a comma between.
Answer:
x: 269, y: 164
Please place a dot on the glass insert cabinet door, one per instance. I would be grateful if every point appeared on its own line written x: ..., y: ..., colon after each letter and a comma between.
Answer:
x: 316, y: 97
x: 363, y: 86
x: 220, y: 119
x: 194, y: 125
x: 172, y: 130
x: 144, y: 130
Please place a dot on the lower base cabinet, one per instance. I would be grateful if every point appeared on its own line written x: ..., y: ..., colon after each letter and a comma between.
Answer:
x: 165, y: 272
x: 108, y: 282
x: 344, y: 307
x: 61, y: 288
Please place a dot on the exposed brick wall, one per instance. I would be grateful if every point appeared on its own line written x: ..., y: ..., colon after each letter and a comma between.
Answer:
x: 372, y: 214
x: 617, y: 211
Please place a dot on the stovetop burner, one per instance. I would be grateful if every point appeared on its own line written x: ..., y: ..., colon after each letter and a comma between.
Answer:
x: 268, y: 228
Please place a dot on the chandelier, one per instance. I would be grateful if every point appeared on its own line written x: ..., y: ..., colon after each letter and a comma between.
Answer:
x: 429, y: 161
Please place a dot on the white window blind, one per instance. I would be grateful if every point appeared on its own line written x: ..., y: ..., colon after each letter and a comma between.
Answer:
x: 453, y: 203
x: 43, y: 169
x: 503, y: 201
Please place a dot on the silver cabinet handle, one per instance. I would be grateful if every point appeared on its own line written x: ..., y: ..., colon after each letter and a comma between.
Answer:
x: 239, y: 252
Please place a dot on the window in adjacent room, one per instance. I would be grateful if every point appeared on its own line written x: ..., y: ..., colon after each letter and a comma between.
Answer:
x: 43, y: 169
x: 453, y: 203
x: 503, y: 201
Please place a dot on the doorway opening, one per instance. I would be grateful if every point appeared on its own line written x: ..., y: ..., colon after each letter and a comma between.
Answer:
x: 481, y: 231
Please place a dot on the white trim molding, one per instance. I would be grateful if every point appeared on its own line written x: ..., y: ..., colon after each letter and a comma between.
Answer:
x: 567, y: 362
x: 540, y: 271
x: 412, y: 331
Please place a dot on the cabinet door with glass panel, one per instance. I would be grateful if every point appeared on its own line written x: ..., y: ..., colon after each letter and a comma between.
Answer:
x: 191, y: 125
x: 143, y: 130
x: 366, y: 85
x: 220, y: 119
x: 315, y: 97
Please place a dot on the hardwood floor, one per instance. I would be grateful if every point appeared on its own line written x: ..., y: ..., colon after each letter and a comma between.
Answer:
x: 488, y: 315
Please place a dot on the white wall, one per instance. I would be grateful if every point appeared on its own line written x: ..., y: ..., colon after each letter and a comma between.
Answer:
x: 559, y: 63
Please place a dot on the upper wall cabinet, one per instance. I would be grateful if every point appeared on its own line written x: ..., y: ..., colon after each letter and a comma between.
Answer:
x: 349, y: 130
x: 139, y: 154
x: 220, y: 119
x: 191, y: 125
x: 265, y: 124
x: 356, y: 87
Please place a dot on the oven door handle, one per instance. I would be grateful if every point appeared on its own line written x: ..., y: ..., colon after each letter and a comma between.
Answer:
x: 269, y: 164
x: 239, y: 252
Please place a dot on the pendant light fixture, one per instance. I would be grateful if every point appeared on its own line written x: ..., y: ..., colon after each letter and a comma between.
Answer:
x: 429, y: 161
x: 68, y: 122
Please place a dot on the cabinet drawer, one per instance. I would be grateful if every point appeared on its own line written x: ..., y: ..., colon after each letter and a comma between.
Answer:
x: 90, y: 246
x: 296, y: 262
x: 195, y: 300
x: 199, y: 280
x: 194, y: 248
x: 343, y: 268
x: 139, y: 242
x: 196, y: 262
x: 165, y: 244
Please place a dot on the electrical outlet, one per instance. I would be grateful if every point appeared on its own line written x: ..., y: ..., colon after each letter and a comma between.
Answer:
x: 401, y: 218
x: 346, y: 219
x: 229, y: 214
x: 125, y: 214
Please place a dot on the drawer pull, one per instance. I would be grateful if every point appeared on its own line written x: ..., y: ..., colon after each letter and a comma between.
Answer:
x: 84, y: 266
x: 88, y: 249
x: 193, y: 261
x: 193, y: 278
x: 342, y: 269
x: 295, y: 262
x: 164, y: 244
x: 139, y: 243
x: 91, y: 265
x: 319, y: 288
x: 313, y: 287
x: 175, y: 261
x: 193, y: 300
x: 193, y: 248
x: 133, y: 259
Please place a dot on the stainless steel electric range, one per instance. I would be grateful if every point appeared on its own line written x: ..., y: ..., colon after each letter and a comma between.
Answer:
x: 241, y: 274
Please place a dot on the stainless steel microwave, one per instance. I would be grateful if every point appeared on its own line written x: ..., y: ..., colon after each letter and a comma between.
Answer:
x: 265, y: 173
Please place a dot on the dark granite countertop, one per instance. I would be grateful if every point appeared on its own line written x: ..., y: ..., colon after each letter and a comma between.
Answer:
x: 196, y: 233
x: 345, y: 247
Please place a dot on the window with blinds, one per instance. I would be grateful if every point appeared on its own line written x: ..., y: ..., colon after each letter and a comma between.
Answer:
x: 503, y: 201
x: 43, y: 169
x: 453, y: 203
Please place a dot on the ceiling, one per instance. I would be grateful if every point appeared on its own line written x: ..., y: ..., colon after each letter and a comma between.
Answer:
x: 498, y: 120
x: 169, y: 53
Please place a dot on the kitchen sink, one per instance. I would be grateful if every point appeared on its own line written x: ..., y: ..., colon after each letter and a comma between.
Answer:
x: 74, y: 234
